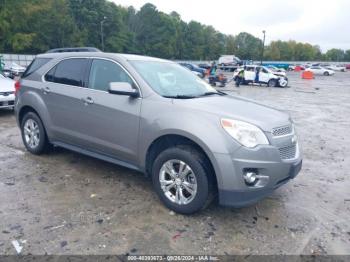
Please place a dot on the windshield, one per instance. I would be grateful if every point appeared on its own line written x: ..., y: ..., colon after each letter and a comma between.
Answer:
x: 172, y: 80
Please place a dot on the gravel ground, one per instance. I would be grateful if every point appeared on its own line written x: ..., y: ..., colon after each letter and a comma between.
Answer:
x: 67, y: 203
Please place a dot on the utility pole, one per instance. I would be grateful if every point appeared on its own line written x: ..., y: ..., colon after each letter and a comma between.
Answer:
x: 102, y: 36
x: 262, y: 48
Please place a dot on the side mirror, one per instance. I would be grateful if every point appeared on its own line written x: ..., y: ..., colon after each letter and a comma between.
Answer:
x: 123, y: 88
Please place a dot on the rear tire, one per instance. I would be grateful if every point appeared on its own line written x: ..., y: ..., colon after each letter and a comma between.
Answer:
x: 166, y: 171
x: 33, y: 134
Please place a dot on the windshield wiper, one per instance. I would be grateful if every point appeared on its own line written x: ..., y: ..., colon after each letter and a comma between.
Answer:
x: 181, y: 97
x: 213, y: 93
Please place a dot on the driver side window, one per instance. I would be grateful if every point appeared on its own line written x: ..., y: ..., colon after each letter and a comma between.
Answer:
x: 104, y: 72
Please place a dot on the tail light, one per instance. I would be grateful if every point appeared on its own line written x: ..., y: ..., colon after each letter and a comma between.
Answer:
x: 17, y: 87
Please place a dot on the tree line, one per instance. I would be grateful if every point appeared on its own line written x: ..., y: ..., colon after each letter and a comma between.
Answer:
x: 34, y: 26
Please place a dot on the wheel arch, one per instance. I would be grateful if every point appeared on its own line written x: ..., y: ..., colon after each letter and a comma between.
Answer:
x: 31, y: 101
x: 165, y: 141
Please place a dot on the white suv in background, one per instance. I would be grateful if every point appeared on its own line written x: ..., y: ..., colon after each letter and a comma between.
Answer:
x: 266, y: 76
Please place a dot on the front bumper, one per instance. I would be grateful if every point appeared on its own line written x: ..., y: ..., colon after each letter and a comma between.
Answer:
x: 272, y: 163
x: 7, y: 101
x: 237, y: 198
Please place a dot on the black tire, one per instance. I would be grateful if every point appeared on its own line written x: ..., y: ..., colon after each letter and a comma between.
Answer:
x: 204, y: 177
x: 272, y: 83
x: 326, y: 73
x: 43, y: 144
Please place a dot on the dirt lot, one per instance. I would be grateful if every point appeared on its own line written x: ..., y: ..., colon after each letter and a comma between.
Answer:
x: 67, y: 203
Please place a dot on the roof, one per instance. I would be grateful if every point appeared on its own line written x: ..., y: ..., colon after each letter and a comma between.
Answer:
x: 73, y: 49
x: 128, y: 57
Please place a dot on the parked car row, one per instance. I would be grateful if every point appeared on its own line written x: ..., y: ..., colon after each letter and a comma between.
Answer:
x: 323, y: 66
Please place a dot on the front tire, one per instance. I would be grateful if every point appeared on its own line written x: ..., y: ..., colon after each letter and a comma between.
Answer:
x: 33, y: 134
x: 326, y: 73
x: 182, y: 180
x: 272, y: 83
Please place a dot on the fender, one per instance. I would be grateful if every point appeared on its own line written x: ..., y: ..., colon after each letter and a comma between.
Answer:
x: 191, y: 137
x: 169, y: 122
x: 32, y: 99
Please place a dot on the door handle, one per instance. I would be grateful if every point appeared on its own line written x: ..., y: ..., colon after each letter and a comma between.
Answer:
x: 46, y: 90
x: 88, y: 101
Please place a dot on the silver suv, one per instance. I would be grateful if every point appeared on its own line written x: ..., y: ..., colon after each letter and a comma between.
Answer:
x: 156, y: 117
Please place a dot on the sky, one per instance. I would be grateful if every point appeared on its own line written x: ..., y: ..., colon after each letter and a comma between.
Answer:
x: 323, y: 23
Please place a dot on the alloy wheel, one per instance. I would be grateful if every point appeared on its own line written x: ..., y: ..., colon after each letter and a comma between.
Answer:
x: 178, y: 182
x: 31, y: 133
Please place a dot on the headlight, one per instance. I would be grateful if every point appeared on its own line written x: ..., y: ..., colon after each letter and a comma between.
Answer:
x: 246, y: 134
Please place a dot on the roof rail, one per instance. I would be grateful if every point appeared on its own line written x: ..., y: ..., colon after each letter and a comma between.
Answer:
x: 73, y: 49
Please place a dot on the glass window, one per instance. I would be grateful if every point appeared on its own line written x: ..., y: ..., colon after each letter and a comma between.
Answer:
x: 50, y: 76
x: 171, y: 80
x: 68, y: 72
x: 35, y: 65
x: 104, y: 72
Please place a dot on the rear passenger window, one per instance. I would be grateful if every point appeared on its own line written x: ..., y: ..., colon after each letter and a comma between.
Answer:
x: 49, y: 77
x: 68, y: 72
x: 104, y: 72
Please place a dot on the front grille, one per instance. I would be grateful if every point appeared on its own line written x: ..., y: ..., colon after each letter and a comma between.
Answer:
x: 9, y: 103
x: 288, y: 152
x: 282, y: 131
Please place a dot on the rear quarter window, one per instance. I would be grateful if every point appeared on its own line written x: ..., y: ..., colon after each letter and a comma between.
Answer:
x: 35, y: 65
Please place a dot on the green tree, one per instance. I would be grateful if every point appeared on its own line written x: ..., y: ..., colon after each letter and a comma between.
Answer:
x: 248, y: 46
x: 335, y: 54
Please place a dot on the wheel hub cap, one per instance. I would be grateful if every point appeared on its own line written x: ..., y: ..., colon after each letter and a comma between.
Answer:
x: 31, y: 133
x: 178, y: 182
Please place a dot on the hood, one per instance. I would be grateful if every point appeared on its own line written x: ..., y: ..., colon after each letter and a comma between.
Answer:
x: 280, y: 74
x: 235, y: 107
x: 6, y: 84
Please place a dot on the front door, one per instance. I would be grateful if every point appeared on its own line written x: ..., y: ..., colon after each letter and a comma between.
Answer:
x: 264, y: 75
x: 110, y: 122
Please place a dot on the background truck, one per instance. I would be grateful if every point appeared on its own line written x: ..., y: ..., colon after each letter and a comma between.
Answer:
x: 229, y: 63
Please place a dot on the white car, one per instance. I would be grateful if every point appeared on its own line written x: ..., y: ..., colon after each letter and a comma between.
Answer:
x: 14, y: 69
x: 266, y: 76
x: 318, y: 70
x: 337, y: 68
x: 7, y: 92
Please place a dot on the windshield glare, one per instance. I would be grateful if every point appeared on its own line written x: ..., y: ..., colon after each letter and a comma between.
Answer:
x: 171, y: 80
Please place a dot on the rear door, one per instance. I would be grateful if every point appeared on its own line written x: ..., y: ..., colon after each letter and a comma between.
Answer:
x: 62, y: 91
x: 110, y: 122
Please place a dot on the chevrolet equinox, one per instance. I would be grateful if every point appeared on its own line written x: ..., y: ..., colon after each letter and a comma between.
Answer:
x: 155, y: 116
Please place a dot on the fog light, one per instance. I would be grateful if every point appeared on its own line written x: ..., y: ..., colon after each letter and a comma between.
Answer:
x: 250, y: 177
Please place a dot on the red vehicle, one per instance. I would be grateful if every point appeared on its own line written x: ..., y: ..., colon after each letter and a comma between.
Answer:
x: 347, y: 66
